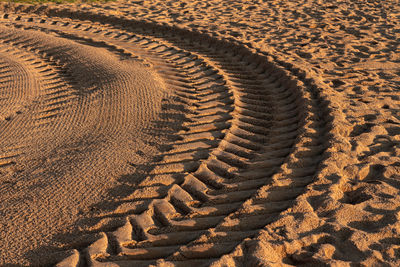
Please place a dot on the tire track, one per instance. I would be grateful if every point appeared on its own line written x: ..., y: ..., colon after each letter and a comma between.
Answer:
x: 22, y: 75
x: 251, y: 144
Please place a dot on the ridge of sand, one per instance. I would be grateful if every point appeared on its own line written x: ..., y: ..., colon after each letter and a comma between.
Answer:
x: 287, y: 153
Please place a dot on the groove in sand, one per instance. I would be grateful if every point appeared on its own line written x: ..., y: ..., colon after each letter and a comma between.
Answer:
x: 250, y: 144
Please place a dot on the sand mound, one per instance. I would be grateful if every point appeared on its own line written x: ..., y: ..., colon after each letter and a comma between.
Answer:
x: 263, y: 161
x: 75, y: 115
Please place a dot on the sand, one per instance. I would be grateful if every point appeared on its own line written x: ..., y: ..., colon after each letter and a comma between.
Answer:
x: 222, y: 133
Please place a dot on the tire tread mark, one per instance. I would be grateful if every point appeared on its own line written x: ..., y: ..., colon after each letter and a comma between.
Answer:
x: 216, y: 181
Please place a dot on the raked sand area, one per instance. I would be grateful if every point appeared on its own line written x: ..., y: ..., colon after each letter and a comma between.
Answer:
x: 177, y: 133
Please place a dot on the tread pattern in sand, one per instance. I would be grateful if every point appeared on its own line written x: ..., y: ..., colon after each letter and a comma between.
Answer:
x: 252, y: 142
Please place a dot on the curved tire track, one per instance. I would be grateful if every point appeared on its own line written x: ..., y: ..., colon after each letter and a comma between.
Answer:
x: 251, y: 144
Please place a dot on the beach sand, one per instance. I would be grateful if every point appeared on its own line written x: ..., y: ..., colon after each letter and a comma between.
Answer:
x: 223, y: 133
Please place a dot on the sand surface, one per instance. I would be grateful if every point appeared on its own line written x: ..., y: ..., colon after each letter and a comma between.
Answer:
x: 223, y: 133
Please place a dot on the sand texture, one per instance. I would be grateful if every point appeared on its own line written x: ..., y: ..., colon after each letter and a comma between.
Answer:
x: 200, y: 133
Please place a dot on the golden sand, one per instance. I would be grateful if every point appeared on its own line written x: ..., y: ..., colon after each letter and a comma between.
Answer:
x: 223, y: 133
